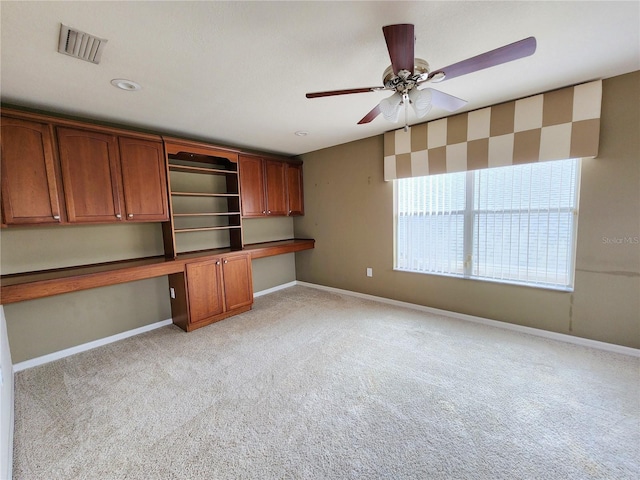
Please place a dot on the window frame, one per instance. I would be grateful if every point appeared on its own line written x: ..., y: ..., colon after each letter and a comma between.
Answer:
x: 468, y: 241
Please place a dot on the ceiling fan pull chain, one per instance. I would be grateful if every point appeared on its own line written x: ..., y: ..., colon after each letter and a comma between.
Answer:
x: 405, y: 100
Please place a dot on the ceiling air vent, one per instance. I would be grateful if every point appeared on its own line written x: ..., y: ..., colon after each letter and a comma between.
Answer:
x: 80, y: 44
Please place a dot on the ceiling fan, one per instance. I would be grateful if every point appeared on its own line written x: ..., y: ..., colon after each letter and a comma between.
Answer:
x: 406, y: 73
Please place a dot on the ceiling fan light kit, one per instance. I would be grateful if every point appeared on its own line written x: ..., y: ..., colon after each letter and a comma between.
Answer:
x: 406, y: 73
x: 390, y: 107
x: 421, y: 101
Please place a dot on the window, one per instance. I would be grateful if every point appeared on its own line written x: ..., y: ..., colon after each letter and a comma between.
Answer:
x: 513, y: 224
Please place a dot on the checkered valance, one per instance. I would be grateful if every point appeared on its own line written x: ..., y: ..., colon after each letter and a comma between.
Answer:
x: 551, y: 126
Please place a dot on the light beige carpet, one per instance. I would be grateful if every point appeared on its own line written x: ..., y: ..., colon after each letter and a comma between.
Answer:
x: 316, y: 385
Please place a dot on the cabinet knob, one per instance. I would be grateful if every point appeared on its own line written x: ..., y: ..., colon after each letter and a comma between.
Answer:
x: 226, y: 261
x: 56, y: 217
x: 263, y: 212
x: 130, y: 215
x: 218, y: 262
x: 269, y: 212
x: 118, y: 215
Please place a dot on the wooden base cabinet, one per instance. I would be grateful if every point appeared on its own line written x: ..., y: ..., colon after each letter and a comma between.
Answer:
x: 211, y: 290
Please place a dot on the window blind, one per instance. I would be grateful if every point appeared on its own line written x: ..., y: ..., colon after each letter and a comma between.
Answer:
x: 513, y: 224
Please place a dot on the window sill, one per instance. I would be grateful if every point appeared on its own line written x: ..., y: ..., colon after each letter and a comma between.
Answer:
x: 552, y: 288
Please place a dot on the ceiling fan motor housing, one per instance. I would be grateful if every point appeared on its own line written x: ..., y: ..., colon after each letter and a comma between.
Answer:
x: 405, y: 80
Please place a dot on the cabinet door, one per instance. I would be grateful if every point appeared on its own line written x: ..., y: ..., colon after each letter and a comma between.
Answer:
x: 143, y: 179
x: 252, y: 193
x: 238, y: 283
x: 204, y: 286
x: 29, y: 186
x: 276, y: 187
x: 90, y: 175
x: 295, y: 196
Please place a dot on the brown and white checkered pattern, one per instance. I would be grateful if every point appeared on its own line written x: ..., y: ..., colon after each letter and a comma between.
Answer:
x: 551, y: 126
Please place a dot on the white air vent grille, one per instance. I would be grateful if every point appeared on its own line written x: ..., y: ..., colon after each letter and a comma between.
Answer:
x: 80, y: 44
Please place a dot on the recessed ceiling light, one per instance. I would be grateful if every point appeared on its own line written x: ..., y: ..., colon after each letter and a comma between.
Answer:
x: 302, y: 133
x: 125, y: 84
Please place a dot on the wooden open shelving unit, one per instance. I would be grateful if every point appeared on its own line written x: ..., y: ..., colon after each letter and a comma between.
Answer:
x: 214, y: 207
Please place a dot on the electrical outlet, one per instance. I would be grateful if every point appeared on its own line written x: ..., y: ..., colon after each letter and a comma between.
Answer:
x: 172, y: 292
x: 369, y: 272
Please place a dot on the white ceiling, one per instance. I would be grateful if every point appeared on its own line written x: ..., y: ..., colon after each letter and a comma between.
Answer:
x: 236, y: 73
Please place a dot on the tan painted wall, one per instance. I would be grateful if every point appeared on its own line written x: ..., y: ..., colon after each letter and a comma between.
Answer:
x: 349, y: 211
x: 43, y: 326
x: 270, y: 271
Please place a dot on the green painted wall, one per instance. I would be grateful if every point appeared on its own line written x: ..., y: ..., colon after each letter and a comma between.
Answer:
x: 349, y: 211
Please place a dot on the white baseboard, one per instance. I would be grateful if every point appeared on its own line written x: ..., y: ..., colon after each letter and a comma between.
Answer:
x: 585, y: 342
x: 461, y: 316
x: 274, y: 289
x: 34, y: 362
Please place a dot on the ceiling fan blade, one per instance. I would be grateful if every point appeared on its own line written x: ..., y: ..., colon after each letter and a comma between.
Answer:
x: 445, y: 101
x: 508, y: 53
x: 400, y: 43
x: 371, y: 115
x: 331, y: 93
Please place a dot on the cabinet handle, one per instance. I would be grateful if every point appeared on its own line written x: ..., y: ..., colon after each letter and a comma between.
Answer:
x: 56, y: 217
x: 264, y: 212
x: 226, y: 261
x: 118, y: 215
x: 269, y: 212
x: 130, y: 215
x: 218, y: 262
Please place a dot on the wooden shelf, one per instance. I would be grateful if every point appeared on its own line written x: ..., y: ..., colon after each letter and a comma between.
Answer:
x: 207, y: 214
x: 205, y: 229
x: 46, y: 283
x: 279, y: 247
x: 200, y: 170
x: 197, y: 194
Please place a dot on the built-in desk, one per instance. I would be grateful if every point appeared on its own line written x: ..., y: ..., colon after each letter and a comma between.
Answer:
x: 28, y: 286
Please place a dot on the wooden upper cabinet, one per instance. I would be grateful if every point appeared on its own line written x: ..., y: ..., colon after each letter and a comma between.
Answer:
x: 30, y: 190
x: 143, y: 179
x: 295, y: 195
x: 270, y: 187
x: 110, y: 178
x: 252, y: 188
x: 276, y: 187
x: 90, y: 174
